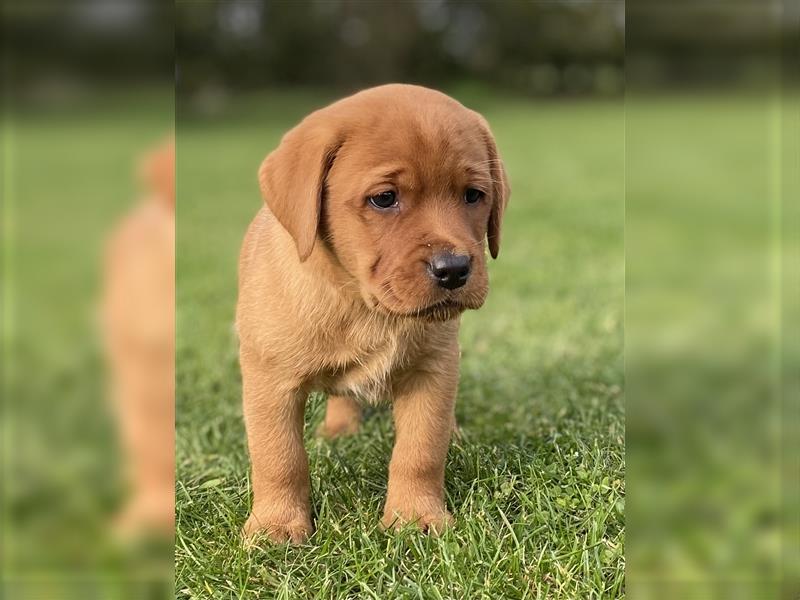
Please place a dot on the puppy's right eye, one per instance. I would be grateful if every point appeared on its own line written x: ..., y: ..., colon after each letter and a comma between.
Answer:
x: 383, y: 200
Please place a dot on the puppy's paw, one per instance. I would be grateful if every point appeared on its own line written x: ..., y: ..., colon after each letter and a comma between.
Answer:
x: 429, y: 515
x: 279, y: 524
x: 145, y: 514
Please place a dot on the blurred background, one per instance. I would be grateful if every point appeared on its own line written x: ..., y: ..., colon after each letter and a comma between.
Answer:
x: 531, y: 47
x: 87, y: 97
x: 710, y: 184
x: 712, y: 299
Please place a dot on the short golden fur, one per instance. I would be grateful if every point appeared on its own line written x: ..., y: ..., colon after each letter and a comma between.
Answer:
x: 336, y: 295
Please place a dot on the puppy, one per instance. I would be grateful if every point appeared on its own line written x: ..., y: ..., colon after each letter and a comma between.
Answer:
x: 352, y: 280
x: 138, y: 319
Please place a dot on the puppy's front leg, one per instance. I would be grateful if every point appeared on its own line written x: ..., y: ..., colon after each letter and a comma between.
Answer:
x: 274, y: 420
x: 423, y: 415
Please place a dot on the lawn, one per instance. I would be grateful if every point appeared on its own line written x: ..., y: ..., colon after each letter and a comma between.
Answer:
x: 711, y: 365
x: 536, y: 483
x: 68, y: 176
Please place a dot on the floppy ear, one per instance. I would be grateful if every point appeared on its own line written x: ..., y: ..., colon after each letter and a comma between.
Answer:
x: 292, y: 180
x: 501, y: 191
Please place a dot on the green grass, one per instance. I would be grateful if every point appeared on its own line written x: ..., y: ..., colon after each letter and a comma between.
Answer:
x: 69, y: 175
x: 711, y: 365
x: 536, y: 485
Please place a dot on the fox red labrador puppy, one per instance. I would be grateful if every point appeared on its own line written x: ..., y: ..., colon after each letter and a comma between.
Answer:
x: 352, y: 280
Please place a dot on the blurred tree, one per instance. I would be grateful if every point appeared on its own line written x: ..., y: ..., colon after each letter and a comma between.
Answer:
x: 564, y: 46
x: 120, y: 41
x: 242, y: 44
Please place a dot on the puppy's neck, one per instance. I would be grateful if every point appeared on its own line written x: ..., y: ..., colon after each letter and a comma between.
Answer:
x: 340, y: 284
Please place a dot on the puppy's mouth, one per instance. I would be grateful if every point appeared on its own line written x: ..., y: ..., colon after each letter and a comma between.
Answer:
x: 439, y: 311
x: 443, y: 310
x: 448, y: 306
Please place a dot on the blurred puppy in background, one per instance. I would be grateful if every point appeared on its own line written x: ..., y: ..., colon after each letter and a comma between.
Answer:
x: 138, y: 312
x: 352, y: 280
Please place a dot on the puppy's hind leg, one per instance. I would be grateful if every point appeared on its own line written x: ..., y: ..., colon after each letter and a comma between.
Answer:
x: 342, y: 417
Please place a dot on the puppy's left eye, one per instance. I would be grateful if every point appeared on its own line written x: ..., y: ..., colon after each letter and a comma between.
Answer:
x: 471, y: 196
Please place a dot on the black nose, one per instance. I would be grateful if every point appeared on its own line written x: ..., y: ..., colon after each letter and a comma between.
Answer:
x: 450, y: 271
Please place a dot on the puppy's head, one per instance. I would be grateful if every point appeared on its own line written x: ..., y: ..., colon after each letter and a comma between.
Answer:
x: 404, y: 186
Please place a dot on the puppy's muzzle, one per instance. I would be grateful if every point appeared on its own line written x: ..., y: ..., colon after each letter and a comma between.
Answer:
x: 450, y: 271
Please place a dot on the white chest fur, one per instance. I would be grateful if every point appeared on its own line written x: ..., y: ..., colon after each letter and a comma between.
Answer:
x: 363, y: 368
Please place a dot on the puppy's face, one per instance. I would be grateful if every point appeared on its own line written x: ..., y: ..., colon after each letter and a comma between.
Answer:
x: 406, y: 212
x: 410, y: 188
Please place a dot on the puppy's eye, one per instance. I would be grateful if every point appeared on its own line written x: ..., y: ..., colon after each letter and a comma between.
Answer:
x: 471, y: 196
x: 383, y: 200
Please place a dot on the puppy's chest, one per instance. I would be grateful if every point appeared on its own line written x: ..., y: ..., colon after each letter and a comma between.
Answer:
x: 364, y: 369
